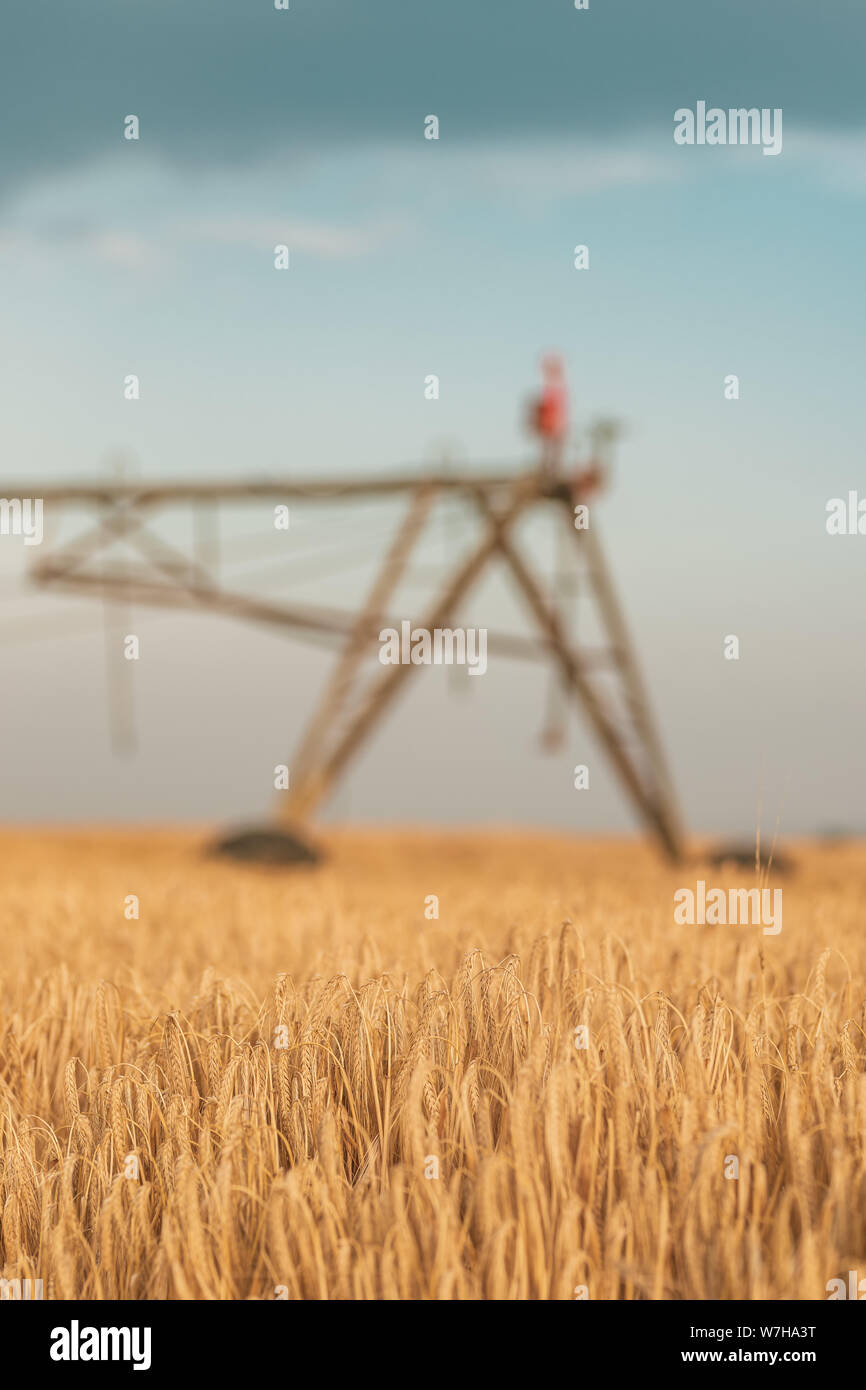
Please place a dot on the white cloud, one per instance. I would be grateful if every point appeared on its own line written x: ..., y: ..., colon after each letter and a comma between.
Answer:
x: 148, y: 216
x: 838, y: 157
x: 331, y: 241
x: 144, y: 214
x: 562, y: 169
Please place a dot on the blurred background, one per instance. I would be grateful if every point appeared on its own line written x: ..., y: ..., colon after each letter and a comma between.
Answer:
x: 454, y: 257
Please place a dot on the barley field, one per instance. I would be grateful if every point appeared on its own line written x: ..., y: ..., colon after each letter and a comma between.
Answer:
x: 301, y: 1084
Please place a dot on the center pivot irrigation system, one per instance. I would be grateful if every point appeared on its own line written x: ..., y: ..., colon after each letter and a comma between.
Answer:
x: 604, y: 680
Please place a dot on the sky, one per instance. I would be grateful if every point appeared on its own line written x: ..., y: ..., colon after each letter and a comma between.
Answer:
x: 409, y: 257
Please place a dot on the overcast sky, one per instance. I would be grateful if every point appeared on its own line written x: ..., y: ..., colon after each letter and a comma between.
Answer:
x: 454, y: 257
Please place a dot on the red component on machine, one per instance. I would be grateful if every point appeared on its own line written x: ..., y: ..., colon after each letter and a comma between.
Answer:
x: 551, y: 407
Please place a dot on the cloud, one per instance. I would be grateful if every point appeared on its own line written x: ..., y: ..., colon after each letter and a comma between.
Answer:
x: 122, y: 249
x: 134, y: 251
x: 838, y: 157
x: 321, y: 239
x: 135, y: 211
x: 552, y: 169
x: 141, y: 215
x: 226, y: 83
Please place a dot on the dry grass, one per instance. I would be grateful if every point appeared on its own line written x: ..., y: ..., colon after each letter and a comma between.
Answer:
x: 305, y: 1166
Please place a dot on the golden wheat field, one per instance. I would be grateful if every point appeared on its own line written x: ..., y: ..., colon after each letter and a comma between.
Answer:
x: 294, y: 1084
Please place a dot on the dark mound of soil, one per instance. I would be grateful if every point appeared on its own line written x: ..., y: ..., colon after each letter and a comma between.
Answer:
x: 266, y: 846
x: 742, y: 856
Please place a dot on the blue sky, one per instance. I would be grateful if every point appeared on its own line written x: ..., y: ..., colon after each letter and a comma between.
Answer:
x: 455, y: 257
